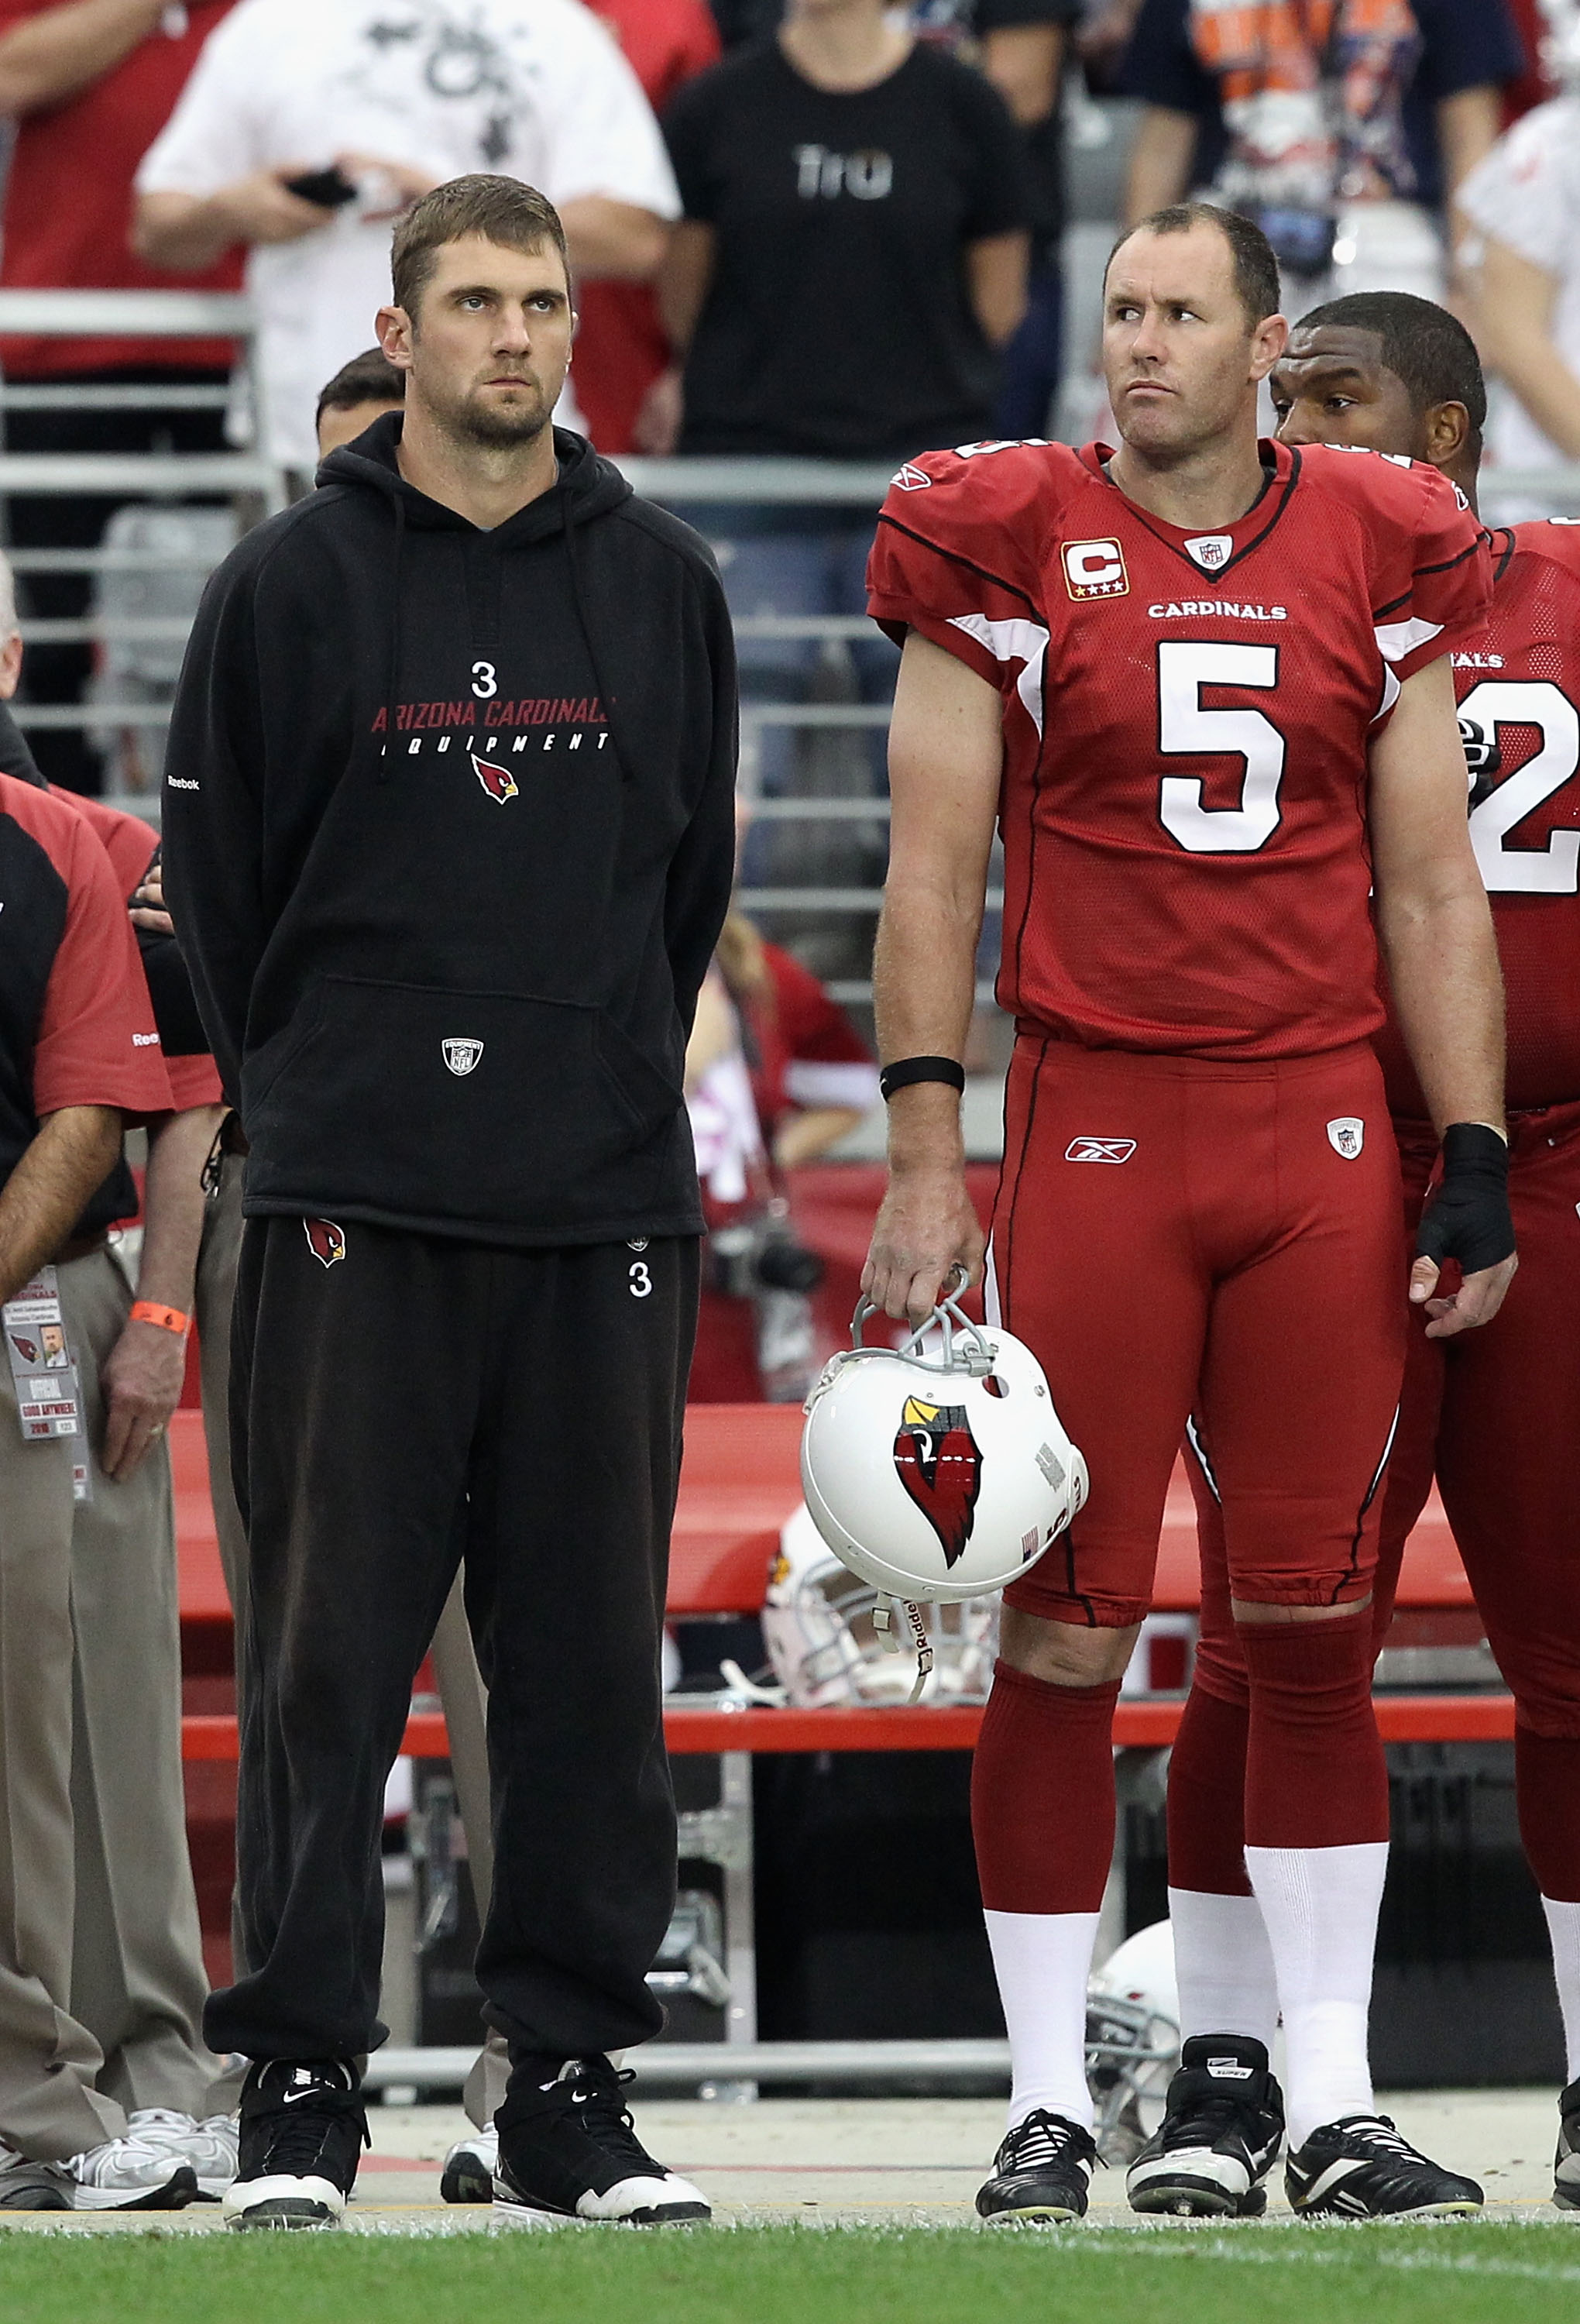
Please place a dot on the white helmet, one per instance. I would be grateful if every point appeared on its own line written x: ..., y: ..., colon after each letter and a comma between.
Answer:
x: 938, y: 1477
x: 827, y: 1648
x: 1133, y: 2040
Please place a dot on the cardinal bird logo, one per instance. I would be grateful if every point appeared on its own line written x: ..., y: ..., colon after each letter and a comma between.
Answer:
x: 326, y: 1241
x: 497, y: 781
x: 25, y: 1348
x: 940, y: 1465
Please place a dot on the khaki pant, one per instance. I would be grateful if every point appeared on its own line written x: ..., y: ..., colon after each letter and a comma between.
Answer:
x: 101, y: 1965
x: 459, y: 1680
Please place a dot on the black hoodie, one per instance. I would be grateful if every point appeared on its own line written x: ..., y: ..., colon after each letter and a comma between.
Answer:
x: 448, y: 838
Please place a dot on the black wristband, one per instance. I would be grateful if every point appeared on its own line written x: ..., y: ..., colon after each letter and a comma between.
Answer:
x: 906, y: 1070
x: 1468, y: 1218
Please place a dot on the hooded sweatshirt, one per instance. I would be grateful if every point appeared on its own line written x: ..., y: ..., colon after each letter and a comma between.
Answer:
x: 448, y: 839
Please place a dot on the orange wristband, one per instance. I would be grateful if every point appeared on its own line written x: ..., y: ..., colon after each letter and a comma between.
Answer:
x: 168, y: 1319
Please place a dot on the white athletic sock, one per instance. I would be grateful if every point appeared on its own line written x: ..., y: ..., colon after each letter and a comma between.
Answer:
x: 1042, y: 1961
x: 1320, y: 1908
x: 1224, y: 1965
x: 1564, y: 1929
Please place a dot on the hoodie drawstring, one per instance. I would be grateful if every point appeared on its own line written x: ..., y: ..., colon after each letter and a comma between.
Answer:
x: 392, y: 686
x: 627, y: 767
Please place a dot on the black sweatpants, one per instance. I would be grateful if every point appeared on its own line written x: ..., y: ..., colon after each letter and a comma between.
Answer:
x: 400, y: 1402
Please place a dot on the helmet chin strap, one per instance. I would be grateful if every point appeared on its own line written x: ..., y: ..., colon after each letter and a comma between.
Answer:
x: 883, y: 1623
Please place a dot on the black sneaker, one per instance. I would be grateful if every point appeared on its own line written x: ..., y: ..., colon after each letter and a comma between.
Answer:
x: 1360, y: 2168
x: 1042, y: 2172
x: 568, y: 2150
x: 303, y: 2129
x: 1223, y: 2125
x: 1567, y: 2160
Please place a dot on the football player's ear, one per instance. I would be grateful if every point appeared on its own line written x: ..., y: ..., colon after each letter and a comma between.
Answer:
x: 1447, y: 430
x: 1268, y: 341
x: 393, y: 328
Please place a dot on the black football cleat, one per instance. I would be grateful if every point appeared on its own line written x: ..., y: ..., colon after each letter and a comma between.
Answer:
x: 1360, y: 2168
x: 1222, y: 2128
x: 1567, y: 2160
x: 568, y: 2150
x: 1042, y: 2173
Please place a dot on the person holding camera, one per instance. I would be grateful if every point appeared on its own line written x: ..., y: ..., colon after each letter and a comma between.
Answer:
x: 310, y: 126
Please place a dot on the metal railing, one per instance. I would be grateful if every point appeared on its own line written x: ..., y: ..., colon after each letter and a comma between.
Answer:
x: 831, y: 815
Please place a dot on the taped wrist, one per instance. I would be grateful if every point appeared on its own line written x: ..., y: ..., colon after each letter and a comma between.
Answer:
x: 1468, y: 1218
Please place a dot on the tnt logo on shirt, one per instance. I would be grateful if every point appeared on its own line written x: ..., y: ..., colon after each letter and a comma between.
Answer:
x: 1094, y: 569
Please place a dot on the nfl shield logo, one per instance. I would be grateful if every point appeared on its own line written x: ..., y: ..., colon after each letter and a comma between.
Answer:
x: 1347, y: 1136
x: 1211, y: 551
x: 461, y: 1055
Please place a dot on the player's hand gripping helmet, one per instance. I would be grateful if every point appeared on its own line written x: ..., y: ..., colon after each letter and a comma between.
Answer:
x: 938, y: 1471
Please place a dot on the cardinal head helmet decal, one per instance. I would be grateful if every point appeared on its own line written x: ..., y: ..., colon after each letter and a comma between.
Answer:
x: 497, y: 780
x: 940, y: 1465
x: 326, y: 1241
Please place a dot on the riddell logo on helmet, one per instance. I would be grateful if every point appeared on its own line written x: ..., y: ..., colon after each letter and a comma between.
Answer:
x: 940, y: 1465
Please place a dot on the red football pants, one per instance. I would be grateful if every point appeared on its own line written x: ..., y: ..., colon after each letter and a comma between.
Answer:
x: 1496, y: 1414
x: 1175, y: 1238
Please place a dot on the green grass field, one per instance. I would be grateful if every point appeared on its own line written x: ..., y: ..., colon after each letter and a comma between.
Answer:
x: 1448, y: 2275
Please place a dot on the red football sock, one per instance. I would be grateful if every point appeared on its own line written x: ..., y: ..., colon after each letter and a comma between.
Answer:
x: 1314, y: 1774
x: 1207, y: 1796
x: 1043, y: 1794
x: 1547, y: 1788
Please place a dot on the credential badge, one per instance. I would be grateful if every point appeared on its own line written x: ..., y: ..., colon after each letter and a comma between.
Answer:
x: 461, y: 1055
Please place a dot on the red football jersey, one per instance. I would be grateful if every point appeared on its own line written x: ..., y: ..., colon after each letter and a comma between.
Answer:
x: 1518, y: 688
x: 1185, y: 725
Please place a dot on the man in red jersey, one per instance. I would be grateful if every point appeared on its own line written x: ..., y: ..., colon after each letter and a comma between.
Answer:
x: 1498, y: 1412
x: 1203, y: 685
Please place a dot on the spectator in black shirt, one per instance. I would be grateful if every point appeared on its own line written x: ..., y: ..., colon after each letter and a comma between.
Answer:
x: 1021, y: 46
x: 851, y: 258
x: 854, y: 246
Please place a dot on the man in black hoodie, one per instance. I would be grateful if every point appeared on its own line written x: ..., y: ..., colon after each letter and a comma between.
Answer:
x: 448, y: 840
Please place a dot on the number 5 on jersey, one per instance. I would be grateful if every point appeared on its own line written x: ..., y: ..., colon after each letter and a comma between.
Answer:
x: 1186, y: 729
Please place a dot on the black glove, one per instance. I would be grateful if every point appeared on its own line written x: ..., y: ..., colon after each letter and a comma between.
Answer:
x: 1468, y: 1217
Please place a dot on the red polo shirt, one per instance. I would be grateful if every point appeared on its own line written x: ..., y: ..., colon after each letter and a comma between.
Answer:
x: 68, y: 199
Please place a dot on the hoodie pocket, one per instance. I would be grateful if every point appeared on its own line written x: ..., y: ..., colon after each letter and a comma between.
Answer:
x: 475, y: 1107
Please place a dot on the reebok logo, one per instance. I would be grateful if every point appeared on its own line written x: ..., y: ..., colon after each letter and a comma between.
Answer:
x: 1099, y: 1149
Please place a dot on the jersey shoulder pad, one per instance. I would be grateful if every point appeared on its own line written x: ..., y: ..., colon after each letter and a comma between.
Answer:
x: 990, y: 504
x: 1389, y: 493
x: 1555, y: 540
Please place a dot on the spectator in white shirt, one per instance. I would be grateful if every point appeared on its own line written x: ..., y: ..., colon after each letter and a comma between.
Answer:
x: 1524, y: 200
x: 397, y: 97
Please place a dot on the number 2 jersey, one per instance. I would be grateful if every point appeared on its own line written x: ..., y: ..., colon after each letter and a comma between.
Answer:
x: 1186, y: 723
x: 1517, y: 682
